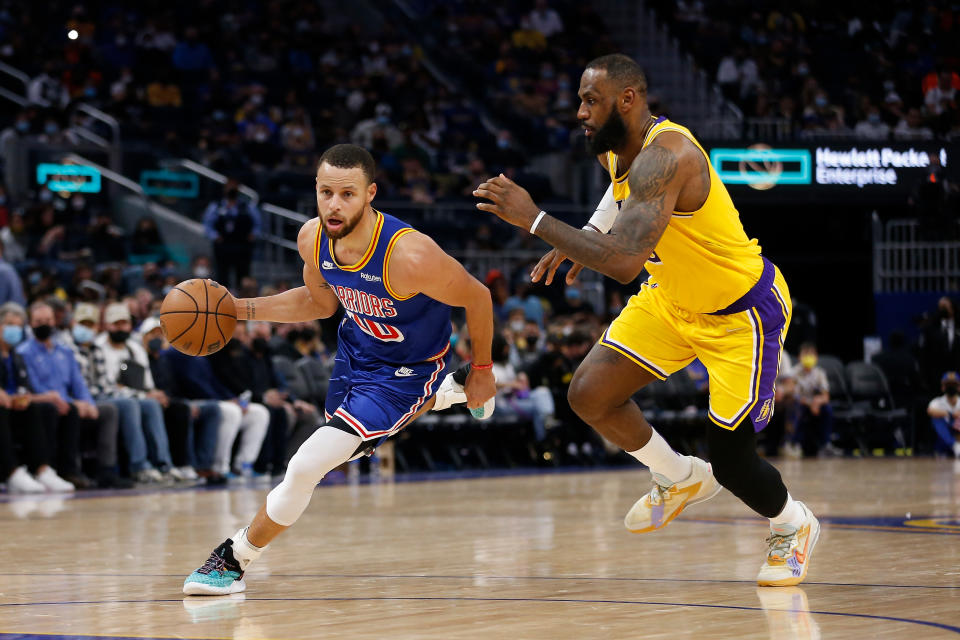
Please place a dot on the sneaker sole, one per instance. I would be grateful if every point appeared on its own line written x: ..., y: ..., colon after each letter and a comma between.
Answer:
x: 200, y: 589
x: 678, y: 511
x: 791, y: 581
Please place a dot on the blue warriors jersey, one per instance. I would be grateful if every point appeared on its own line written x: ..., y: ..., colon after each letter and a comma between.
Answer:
x: 382, y: 327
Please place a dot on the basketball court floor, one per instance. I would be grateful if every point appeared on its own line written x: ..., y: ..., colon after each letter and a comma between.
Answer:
x: 518, y: 556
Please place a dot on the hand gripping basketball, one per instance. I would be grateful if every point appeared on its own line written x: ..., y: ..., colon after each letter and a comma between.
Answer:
x: 198, y: 317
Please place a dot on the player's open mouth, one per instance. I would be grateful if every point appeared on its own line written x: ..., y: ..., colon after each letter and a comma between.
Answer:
x: 334, y: 223
x: 588, y: 131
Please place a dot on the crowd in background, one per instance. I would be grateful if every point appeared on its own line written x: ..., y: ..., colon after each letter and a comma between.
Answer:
x: 266, y: 86
x: 886, y: 71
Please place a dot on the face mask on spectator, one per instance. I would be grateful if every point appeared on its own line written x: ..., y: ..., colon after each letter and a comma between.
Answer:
x: 820, y: 101
x: 803, y: 70
x: 516, y: 326
x: 13, y: 334
x: 155, y: 344
x: 42, y: 331
x: 51, y: 129
x: 874, y: 118
x: 83, y: 334
x: 259, y: 345
x: 201, y: 271
x: 809, y: 360
x: 46, y: 195
x: 952, y: 390
x: 307, y: 335
x: 23, y: 126
x: 231, y: 193
x: 119, y: 336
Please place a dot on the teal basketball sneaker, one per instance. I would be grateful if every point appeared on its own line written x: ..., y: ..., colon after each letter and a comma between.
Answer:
x: 220, y: 574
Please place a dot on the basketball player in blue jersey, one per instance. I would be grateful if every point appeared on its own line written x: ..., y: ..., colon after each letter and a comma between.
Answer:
x: 710, y: 295
x: 396, y: 287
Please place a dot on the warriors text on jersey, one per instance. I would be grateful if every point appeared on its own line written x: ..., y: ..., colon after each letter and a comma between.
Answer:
x: 704, y: 260
x: 382, y: 326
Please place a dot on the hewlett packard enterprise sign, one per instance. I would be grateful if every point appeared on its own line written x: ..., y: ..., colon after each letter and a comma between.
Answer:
x: 865, y: 166
x: 866, y: 173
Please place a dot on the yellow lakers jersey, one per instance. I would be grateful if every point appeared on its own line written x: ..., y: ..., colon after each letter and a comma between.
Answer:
x: 704, y: 261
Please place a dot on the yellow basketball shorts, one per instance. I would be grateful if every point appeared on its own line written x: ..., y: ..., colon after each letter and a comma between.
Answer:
x: 739, y: 346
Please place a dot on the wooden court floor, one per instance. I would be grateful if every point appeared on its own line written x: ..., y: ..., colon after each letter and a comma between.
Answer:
x: 523, y: 556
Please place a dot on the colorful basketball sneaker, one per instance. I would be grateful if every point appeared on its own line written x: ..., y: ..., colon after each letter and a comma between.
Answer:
x: 667, y: 500
x: 219, y: 575
x: 788, y: 552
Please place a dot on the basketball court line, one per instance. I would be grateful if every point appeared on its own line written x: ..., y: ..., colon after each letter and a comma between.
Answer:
x: 926, y: 623
x: 386, y: 576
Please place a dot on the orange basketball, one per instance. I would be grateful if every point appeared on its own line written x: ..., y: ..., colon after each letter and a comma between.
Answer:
x: 198, y: 317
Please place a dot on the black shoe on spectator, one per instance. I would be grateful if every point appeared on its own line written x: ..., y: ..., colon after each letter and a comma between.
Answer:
x: 113, y: 481
x: 81, y: 481
x: 215, y: 480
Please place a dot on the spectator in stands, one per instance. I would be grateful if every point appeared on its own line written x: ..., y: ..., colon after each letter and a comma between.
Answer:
x: 193, y: 444
x: 940, y: 343
x: 366, y: 131
x: 31, y: 423
x: 11, y: 288
x: 545, y: 20
x: 872, y: 127
x: 944, y: 412
x: 911, y: 127
x: 137, y: 399
x: 514, y: 396
x: 196, y: 380
x: 46, y: 89
x: 232, y: 224
x: 86, y: 321
x: 191, y: 54
x: 146, y: 245
x: 54, y: 374
x: 941, y: 99
x: 241, y: 368
x: 814, y: 425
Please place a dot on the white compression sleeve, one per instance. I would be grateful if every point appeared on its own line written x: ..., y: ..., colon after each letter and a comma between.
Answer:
x: 603, y: 218
x: 325, y: 450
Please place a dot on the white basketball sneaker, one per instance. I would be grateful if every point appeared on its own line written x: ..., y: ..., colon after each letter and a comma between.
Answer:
x: 450, y: 392
x: 667, y: 500
x: 788, y: 552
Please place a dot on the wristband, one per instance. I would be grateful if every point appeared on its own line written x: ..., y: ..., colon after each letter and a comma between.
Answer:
x: 481, y: 366
x: 533, y: 227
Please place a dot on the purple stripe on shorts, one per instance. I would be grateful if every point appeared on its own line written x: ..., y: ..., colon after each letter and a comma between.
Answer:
x: 757, y: 292
x: 771, y: 314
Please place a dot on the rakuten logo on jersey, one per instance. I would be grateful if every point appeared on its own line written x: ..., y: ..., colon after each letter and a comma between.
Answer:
x: 365, y: 303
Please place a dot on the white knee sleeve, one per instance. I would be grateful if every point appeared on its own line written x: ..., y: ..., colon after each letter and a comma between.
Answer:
x: 326, y: 449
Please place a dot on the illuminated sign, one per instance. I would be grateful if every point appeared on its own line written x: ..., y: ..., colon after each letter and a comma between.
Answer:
x: 762, y: 167
x: 68, y: 177
x: 875, y: 165
x: 170, y: 184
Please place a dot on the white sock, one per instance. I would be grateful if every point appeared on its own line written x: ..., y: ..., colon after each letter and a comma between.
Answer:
x: 663, y: 460
x: 792, y: 514
x: 243, y: 550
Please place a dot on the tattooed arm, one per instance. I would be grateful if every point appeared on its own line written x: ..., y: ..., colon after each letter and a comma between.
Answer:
x: 656, y: 177
x: 313, y: 300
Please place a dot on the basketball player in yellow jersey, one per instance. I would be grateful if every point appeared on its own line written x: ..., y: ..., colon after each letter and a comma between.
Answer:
x: 710, y: 295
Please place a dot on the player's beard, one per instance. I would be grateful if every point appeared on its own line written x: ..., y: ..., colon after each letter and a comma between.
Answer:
x: 346, y: 228
x: 611, y: 136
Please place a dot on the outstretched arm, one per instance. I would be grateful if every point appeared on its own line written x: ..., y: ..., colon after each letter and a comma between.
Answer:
x: 419, y: 265
x: 313, y: 300
x: 656, y: 177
